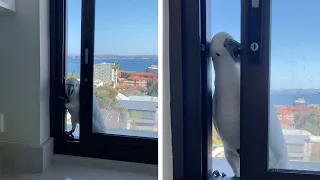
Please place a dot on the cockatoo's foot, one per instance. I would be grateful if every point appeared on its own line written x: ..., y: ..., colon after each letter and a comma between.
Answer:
x: 217, y: 173
x: 63, y: 100
x: 69, y: 135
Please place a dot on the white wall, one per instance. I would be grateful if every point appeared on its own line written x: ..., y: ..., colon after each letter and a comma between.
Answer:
x: 24, y: 72
x: 44, y: 71
x: 167, y: 140
x: 7, y: 5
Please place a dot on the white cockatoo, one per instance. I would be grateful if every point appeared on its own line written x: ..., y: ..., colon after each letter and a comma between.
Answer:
x: 72, y: 89
x: 225, y: 53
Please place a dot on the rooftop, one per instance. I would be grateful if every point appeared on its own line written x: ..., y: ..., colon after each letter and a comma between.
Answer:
x: 144, y: 98
x: 137, y: 105
x: 137, y: 78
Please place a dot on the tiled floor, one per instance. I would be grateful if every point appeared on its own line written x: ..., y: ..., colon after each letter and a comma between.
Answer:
x: 68, y: 168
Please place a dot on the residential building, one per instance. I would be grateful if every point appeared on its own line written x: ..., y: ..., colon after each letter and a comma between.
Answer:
x: 97, y: 83
x: 129, y: 83
x: 143, y: 98
x: 314, y: 147
x: 297, y: 144
x: 121, y: 74
x: 120, y: 96
x: 151, y: 77
x: 141, y: 113
x: 139, y: 81
x: 133, y: 90
x: 104, y: 72
x: 286, y: 118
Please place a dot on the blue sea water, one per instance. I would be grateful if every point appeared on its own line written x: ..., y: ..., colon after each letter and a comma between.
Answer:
x: 140, y: 65
x: 137, y: 65
x: 289, y: 99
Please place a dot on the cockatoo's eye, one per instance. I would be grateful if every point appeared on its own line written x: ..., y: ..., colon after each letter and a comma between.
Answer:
x: 217, y: 54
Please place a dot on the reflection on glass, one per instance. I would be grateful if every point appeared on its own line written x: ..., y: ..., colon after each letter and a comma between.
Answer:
x: 126, y: 67
x: 295, y: 86
x: 73, y: 44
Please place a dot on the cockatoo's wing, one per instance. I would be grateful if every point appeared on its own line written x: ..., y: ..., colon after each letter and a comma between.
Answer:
x: 97, y: 119
x: 278, y: 157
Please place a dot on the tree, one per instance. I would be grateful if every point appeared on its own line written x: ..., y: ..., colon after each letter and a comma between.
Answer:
x: 309, y: 121
x: 73, y: 75
x: 124, y: 114
x: 153, y: 90
x: 135, y: 116
x: 216, y: 140
x: 107, y: 96
x: 124, y: 93
x: 129, y: 75
x: 135, y: 92
x: 115, y: 68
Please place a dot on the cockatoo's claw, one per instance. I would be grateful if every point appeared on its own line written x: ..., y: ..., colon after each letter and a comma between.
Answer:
x: 69, y: 135
x: 216, y: 173
x: 223, y: 175
x: 63, y: 100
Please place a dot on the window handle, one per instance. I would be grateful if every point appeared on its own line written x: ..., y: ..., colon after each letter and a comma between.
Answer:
x: 86, y: 56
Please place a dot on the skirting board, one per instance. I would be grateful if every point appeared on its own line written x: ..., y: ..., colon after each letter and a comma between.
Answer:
x: 107, y: 164
x: 27, y: 158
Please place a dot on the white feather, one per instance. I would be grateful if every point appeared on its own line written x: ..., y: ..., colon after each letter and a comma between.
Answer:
x: 73, y: 107
x: 226, y: 109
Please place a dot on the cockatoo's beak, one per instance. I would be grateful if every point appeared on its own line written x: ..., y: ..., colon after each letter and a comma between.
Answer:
x: 70, y: 89
x: 234, y: 48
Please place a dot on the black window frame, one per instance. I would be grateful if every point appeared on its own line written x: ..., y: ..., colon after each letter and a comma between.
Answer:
x: 189, y: 92
x: 191, y: 124
x: 255, y: 84
x: 104, y: 146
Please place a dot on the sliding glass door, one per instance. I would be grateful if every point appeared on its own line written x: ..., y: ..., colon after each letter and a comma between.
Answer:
x: 278, y: 89
x: 110, y: 48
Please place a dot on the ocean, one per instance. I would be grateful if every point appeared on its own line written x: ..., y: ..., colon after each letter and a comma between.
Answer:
x: 137, y: 65
x: 140, y: 65
x: 289, y: 98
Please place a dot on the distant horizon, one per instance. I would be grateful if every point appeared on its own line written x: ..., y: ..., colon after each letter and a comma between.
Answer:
x: 117, y: 54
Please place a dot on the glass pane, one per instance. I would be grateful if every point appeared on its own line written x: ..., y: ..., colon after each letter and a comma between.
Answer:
x: 229, y: 23
x: 125, y: 99
x: 73, y: 45
x: 295, y: 86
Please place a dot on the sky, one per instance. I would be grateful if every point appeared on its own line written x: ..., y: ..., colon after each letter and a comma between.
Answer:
x: 131, y: 27
x: 295, y: 39
x: 126, y: 27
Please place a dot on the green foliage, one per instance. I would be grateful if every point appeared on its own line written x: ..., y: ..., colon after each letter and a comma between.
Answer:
x: 135, y: 93
x: 135, y: 115
x: 124, y: 93
x: 309, y: 122
x: 106, y: 96
x: 129, y: 75
x: 116, y: 65
x: 124, y: 114
x: 153, y: 90
x: 73, y: 75
x: 216, y: 140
